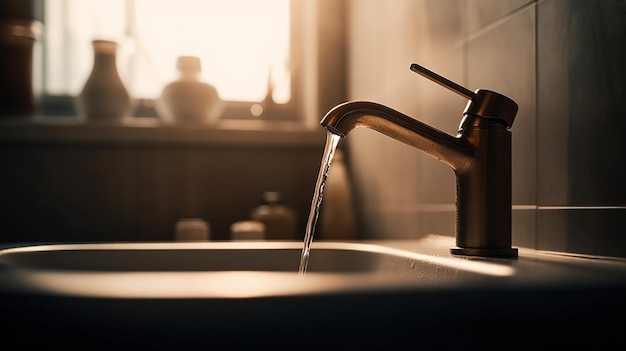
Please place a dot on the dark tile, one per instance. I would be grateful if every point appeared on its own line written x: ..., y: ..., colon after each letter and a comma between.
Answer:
x: 523, y: 226
x: 581, y: 102
x: 483, y: 12
x: 552, y: 104
x: 598, y: 231
x: 503, y: 60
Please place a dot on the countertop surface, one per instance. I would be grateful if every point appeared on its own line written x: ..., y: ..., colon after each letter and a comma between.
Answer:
x: 337, y: 268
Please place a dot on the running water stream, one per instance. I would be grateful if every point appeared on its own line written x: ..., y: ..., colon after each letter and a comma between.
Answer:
x: 329, y: 150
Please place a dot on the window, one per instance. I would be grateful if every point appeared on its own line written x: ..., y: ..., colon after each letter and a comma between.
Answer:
x: 243, y: 45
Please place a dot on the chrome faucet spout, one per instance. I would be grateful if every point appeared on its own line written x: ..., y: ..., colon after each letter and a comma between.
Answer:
x: 480, y: 155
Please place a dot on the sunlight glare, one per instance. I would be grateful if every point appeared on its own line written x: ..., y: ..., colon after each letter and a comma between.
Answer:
x: 238, y: 42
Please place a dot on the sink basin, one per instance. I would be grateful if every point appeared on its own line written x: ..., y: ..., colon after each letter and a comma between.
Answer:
x: 357, y: 294
x: 230, y: 269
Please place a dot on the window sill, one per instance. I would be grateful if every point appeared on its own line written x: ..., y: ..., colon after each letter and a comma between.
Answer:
x: 144, y: 130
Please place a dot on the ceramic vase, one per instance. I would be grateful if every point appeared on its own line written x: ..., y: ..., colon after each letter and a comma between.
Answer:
x: 104, y: 96
x: 189, y: 99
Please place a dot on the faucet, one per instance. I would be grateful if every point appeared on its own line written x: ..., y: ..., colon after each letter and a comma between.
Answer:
x: 480, y: 155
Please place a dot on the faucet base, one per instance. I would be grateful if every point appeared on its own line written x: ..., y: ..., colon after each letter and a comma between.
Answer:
x: 495, y: 252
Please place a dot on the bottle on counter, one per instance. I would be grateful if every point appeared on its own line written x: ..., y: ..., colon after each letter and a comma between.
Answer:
x: 337, y: 215
x: 189, y: 99
x: 18, y: 38
x: 280, y: 220
x: 192, y: 229
x: 247, y: 230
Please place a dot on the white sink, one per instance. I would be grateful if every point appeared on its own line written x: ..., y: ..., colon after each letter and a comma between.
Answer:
x: 230, y: 269
x: 359, y: 294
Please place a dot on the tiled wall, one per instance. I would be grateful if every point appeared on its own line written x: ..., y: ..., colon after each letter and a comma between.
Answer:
x: 581, y: 109
x: 560, y: 60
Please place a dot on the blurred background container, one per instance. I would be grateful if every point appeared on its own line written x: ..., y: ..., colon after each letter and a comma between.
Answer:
x: 19, y: 31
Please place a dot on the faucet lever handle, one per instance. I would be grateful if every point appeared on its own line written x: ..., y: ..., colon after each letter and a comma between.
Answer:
x: 446, y: 83
x: 483, y: 103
